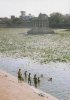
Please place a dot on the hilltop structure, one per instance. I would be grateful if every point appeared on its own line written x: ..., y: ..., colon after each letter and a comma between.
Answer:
x: 40, y: 25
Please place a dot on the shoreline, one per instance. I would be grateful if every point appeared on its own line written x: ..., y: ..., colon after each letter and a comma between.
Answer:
x: 10, y: 89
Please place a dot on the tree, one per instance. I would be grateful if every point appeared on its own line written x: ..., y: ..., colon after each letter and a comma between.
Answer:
x: 55, y: 19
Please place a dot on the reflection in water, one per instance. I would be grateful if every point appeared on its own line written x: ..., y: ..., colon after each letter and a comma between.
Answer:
x: 59, y: 72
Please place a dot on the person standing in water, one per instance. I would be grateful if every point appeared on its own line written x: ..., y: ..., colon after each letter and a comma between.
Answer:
x: 35, y: 80
x: 38, y: 80
x: 20, y: 78
x: 25, y: 75
x: 29, y: 78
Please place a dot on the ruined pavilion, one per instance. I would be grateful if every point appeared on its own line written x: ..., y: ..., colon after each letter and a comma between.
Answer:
x: 40, y: 25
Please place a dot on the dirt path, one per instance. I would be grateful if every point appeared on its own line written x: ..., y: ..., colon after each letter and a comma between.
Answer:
x: 10, y: 89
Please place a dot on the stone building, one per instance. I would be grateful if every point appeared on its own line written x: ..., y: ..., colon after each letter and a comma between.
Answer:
x: 41, y: 21
x: 40, y: 25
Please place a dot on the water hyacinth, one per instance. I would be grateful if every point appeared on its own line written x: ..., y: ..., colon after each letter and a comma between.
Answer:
x: 41, y: 48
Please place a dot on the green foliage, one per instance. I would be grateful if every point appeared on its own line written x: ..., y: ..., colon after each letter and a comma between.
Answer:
x: 56, y: 18
x: 59, y: 20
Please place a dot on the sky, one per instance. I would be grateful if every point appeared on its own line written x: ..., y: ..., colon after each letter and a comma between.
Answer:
x: 13, y: 7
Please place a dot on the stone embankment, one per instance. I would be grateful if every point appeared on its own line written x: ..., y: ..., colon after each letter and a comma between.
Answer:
x: 10, y: 89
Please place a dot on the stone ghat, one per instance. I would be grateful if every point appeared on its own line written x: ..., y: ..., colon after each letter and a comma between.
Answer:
x: 10, y: 89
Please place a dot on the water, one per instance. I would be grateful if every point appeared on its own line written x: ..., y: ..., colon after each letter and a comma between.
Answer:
x: 60, y: 72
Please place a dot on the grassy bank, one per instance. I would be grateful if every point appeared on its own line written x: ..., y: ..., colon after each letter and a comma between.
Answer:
x: 41, y: 48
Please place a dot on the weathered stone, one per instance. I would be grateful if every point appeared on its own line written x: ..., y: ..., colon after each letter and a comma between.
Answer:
x: 37, y: 30
x: 41, y: 25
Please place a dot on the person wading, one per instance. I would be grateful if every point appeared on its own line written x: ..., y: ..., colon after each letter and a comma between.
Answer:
x: 25, y: 73
x: 35, y: 80
x: 20, y: 78
x: 29, y: 78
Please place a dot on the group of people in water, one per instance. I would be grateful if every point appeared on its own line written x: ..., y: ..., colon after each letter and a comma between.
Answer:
x: 27, y: 77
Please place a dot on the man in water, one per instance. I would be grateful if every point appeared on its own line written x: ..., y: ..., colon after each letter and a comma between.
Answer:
x: 29, y: 78
x: 38, y: 80
x: 25, y: 75
x: 20, y: 78
x: 35, y: 80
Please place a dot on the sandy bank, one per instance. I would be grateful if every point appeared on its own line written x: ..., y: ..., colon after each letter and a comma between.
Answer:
x: 10, y: 89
